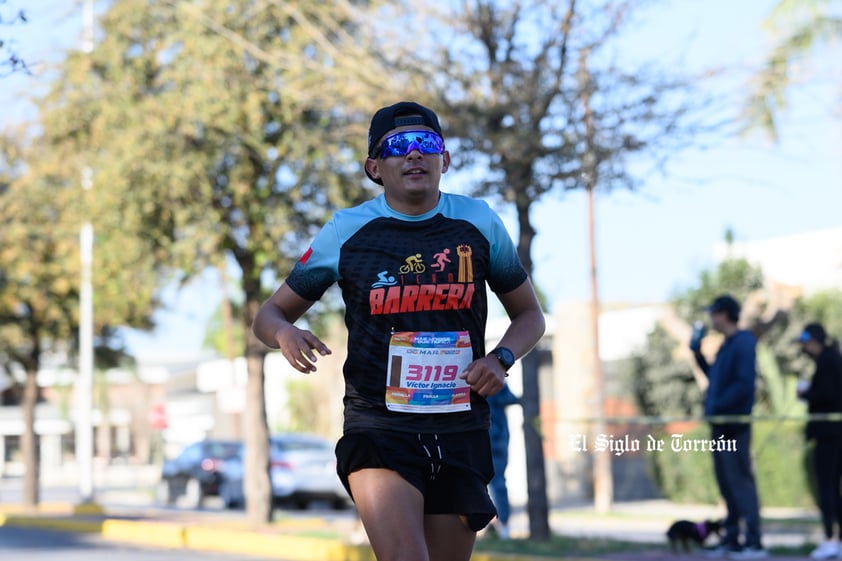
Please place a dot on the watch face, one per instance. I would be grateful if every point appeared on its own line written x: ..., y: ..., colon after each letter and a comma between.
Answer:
x: 505, y: 356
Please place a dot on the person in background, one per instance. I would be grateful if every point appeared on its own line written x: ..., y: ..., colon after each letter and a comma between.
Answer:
x: 824, y: 396
x: 730, y: 396
x: 499, y: 433
x: 414, y: 265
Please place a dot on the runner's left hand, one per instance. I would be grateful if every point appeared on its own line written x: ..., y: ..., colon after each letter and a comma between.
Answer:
x: 485, y: 376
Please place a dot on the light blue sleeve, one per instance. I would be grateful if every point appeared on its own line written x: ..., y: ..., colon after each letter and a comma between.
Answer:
x: 507, y: 272
x: 318, y: 268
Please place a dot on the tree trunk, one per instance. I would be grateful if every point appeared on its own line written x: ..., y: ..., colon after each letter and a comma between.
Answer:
x: 537, y: 506
x: 29, y: 441
x: 536, y: 480
x: 258, y: 489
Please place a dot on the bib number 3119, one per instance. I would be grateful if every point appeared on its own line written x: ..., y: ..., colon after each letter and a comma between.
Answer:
x: 423, y: 372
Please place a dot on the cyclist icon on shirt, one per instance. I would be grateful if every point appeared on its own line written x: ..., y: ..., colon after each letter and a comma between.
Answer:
x: 414, y: 264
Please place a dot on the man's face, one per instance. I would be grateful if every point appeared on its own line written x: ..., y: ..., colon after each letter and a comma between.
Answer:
x: 412, y: 177
x: 719, y: 321
x: 811, y: 347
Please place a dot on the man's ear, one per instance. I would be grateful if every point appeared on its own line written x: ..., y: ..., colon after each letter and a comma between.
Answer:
x: 372, y: 168
x: 445, y: 161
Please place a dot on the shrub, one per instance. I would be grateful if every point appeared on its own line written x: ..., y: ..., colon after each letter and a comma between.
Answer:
x: 780, y: 463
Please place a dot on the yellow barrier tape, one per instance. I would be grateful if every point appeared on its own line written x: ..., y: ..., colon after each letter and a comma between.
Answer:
x: 714, y: 419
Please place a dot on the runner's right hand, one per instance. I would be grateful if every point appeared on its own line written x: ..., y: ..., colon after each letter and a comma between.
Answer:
x: 297, y: 346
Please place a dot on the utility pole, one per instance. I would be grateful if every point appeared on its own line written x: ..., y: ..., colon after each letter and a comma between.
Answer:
x: 84, y: 386
x: 603, y: 484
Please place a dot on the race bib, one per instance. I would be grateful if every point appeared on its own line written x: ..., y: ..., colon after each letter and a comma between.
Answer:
x: 423, y: 372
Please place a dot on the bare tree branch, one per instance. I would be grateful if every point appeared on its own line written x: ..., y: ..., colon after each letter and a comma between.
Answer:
x: 10, y: 61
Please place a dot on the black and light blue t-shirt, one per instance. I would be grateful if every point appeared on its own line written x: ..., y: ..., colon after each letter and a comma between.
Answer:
x: 408, y: 273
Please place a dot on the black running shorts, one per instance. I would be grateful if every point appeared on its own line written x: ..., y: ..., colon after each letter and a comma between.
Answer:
x: 451, y: 470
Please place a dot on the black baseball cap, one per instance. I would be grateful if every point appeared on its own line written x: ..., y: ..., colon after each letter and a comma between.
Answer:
x: 726, y: 303
x: 397, y: 115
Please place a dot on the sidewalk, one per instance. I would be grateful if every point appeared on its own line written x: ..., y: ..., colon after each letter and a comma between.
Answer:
x: 648, y: 521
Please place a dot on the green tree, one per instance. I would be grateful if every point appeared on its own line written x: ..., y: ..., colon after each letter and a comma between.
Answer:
x: 784, y: 355
x: 802, y: 29
x: 40, y: 205
x: 824, y: 307
x: 223, y: 132
x: 38, y: 296
x: 736, y: 277
x: 662, y: 384
x: 224, y: 333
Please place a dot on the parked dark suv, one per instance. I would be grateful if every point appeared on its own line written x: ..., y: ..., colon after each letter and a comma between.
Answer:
x: 195, y: 473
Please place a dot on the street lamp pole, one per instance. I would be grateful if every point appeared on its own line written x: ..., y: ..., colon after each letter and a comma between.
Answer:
x: 84, y: 421
x: 84, y: 415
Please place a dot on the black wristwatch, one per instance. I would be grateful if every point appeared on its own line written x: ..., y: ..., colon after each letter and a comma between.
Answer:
x: 505, y: 356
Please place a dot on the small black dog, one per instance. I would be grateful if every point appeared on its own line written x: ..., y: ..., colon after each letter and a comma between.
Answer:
x: 683, y: 532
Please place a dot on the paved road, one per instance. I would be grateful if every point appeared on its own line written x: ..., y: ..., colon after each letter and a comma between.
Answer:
x: 43, y: 545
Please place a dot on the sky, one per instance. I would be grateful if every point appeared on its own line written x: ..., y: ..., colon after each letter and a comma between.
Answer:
x: 651, y: 242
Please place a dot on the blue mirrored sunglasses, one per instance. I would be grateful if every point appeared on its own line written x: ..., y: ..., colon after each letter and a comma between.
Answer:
x: 402, y: 143
x: 805, y: 336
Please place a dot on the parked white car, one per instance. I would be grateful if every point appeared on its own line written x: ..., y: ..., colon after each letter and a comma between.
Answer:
x: 302, y: 469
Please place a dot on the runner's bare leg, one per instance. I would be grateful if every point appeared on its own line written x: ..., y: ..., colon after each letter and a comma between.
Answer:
x: 448, y: 537
x: 392, y: 512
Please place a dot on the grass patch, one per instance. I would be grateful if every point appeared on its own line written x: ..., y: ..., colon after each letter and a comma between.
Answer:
x: 800, y: 551
x: 565, y: 546
x: 562, y: 546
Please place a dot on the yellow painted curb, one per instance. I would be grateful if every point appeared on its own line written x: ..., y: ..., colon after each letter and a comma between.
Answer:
x: 289, y: 548
x: 63, y: 524
x: 88, y: 509
x: 159, y: 534
x: 359, y: 553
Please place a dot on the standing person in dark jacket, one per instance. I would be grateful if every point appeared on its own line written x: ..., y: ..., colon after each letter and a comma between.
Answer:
x: 499, y: 435
x: 824, y: 395
x: 731, y: 385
